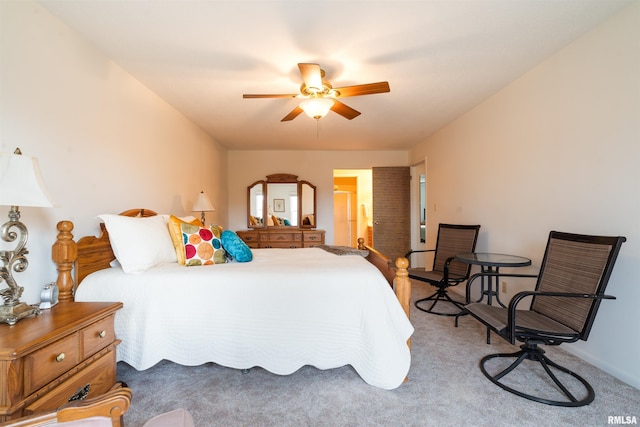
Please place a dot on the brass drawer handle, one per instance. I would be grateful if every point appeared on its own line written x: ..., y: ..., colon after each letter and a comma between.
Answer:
x: 60, y: 357
x: 102, y: 334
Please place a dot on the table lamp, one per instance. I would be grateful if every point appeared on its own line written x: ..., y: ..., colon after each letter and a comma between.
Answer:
x: 202, y: 204
x: 20, y: 185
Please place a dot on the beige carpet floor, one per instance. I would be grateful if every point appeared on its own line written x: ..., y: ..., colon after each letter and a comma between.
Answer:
x: 445, y: 388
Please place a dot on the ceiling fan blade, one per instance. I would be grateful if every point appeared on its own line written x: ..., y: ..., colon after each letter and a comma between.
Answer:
x: 274, y: 95
x: 366, y: 89
x: 293, y: 114
x: 344, y: 110
x: 311, y: 75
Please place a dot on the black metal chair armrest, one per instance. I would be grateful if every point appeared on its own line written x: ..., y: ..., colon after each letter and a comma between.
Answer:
x: 408, y: 254
x: 517, y: 298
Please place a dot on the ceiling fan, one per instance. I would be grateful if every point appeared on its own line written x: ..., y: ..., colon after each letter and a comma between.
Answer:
x: 320, y: 96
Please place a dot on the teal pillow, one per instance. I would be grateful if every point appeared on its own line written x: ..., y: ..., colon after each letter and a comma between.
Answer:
x: 236, y: 247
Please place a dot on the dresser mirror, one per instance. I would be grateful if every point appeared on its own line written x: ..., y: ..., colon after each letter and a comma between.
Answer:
x: 255, y: 203
x: 281, y: 201
x: 308, y: 204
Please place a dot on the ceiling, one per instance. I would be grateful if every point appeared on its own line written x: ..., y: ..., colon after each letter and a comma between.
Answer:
x: 441, y: 58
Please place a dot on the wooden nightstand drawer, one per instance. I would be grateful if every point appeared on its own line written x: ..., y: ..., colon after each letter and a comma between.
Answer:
x: 97, y: 336
x: 34, y: 374
x: 50, y: 362
x: 99, y: 376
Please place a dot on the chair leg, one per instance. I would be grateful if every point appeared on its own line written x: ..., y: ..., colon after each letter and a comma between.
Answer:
x: 440, y: 295
x: 532, y: 352
x: 463, y: 312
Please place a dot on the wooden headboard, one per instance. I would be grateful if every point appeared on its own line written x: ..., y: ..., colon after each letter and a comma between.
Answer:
x: 89, y: 254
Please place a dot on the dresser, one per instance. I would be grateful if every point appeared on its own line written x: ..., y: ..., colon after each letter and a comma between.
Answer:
x: 282, y: 237
x: 67, y: 351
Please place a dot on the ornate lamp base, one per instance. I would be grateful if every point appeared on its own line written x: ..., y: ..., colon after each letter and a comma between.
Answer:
x: 12, y: 313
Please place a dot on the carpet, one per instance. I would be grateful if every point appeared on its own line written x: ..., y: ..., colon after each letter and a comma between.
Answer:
x: 445, y: 387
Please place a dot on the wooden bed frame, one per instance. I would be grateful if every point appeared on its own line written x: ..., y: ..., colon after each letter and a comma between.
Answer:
x: 92, y: 253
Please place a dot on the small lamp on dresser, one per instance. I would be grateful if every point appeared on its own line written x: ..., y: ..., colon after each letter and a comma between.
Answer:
x: 20, y: 185
x: 202, y: 205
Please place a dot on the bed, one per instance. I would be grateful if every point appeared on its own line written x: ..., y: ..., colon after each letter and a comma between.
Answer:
x: 284, y: 309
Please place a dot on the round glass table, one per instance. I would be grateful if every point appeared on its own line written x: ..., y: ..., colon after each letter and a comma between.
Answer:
x: 490, y: 264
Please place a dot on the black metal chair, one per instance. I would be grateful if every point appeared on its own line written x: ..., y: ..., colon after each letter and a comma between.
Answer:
x: 446, y: 272
x: 570, y: 285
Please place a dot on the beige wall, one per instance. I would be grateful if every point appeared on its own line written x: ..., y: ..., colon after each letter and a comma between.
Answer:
x: 558, y: 149
x: 105, y: 143
x: 246, y: 167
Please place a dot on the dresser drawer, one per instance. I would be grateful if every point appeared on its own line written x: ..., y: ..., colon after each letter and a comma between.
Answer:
x: 281, y: 237
x: 282, y: 245
x: 50, y: 362
x: 249, y: 237
x: 314, y: 236
x: 97, y: 336
x: 99, y: 375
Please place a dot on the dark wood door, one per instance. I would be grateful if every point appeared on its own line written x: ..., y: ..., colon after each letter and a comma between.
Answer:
x: 391, y: 210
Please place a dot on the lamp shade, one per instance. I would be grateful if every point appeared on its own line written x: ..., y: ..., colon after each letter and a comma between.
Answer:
x: 21, y: 183
x: 202, y: 204
x: 317, y: 108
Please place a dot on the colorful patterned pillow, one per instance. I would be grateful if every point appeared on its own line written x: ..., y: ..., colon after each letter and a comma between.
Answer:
x: 174, y: 223
x: 236, y: 247
x: 202, y: 245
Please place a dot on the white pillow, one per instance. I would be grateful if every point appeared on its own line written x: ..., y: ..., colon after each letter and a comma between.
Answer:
x: 139, y: 243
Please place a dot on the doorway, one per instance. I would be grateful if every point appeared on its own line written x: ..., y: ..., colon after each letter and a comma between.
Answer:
x: 378, y: 211
x: 352, y: 206
x: 343, y: 227
x: 345, y: 215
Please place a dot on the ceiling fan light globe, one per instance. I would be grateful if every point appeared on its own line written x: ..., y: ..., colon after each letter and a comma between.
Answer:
x: 316, y: 108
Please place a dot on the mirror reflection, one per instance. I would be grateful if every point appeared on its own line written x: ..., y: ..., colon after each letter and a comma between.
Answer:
x: 255, y: 204
x: 282, y: 205
x: 308, y: 204
x: 281, y: 201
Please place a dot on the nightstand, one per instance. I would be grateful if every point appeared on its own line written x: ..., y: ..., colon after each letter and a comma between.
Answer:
x: 45, y: 360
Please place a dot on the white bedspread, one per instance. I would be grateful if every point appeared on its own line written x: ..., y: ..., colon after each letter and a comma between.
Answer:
x: 285, y: 309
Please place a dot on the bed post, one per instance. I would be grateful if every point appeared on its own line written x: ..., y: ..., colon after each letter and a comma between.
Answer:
x: 396, y: 274
x: 64, y: 253
x: 402, y: 286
